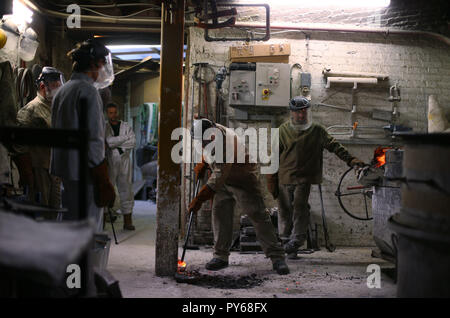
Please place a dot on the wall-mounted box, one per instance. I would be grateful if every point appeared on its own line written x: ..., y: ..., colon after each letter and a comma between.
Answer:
x: 242, y: 84
x: 274, y: 53
x: 272, y: 84
x: 259, y: 84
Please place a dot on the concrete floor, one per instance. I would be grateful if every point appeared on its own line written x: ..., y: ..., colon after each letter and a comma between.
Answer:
x: 321, y: 274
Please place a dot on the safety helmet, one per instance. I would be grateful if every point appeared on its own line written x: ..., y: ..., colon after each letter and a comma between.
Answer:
x: 94, y: 50
x: 50, y: 74
x: 299, y: 102
x: 3, y: 38
x: 200, y: 126
x: 91, y: 49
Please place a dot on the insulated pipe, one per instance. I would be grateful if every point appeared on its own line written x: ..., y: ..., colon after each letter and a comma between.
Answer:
x: 87, y: 18
x: 114, y: 29
x: 384, y: 31
x: 329, y: 73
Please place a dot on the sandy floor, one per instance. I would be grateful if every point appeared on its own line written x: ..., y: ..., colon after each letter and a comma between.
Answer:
x: 321, y: 274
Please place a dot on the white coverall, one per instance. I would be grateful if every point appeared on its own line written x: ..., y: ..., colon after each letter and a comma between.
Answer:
x: 119, y: 165
x: 65, y: 162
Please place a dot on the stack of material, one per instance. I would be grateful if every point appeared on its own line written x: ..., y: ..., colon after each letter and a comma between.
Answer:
x: 248, y: 241
x: 203, y: 234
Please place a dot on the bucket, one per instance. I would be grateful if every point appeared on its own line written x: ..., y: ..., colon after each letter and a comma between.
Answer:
x: 423, y: 225
x: 102, y: 244
x: 423, y: 258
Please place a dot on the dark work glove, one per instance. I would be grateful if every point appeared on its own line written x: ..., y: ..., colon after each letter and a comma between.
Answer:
x: 272, y: 185
x: 104, y: 194
x: 23, y: 163
x: 205, y: 194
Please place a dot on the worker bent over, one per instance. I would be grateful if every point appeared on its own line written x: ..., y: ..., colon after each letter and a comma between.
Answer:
x: 232, y: 183
x: 301, y: 144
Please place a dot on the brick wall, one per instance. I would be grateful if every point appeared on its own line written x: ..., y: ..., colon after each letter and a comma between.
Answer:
x: 420, y: 67
x: 432, y: 15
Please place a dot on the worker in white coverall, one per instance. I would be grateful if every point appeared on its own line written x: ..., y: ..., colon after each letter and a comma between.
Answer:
x: 92, y: 70
x: 120, y: 140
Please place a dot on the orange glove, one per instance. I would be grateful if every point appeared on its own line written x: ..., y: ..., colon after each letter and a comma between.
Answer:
x: 104, y: 194
x: 23, y: 163
x: 272, y: 185
x: 205, y: 194
x: 200, y: 169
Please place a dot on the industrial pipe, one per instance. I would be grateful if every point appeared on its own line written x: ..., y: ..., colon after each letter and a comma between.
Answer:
x: 328, y: 72
x: 87, y: 18
x: 384, y: 31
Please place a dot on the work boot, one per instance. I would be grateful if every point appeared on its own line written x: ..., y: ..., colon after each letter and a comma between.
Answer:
x: 216, y: 264
x: 291, y: 247
x: 128, y: 223
x: 280, y: 267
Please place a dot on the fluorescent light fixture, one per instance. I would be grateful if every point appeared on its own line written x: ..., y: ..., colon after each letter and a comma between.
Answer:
x: 21, y: 15
x: 327, y: 3
x: 132, y: 47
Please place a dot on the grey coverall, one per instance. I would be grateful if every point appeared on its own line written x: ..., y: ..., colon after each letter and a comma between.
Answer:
x: 65, y: 162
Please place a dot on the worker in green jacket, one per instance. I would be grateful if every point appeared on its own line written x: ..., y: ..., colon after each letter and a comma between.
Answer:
x: 301, y: 144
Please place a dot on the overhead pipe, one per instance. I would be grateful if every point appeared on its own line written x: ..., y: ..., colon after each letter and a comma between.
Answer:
x: 88, y: 18
x: 106, y: 29
x: 384, y: 31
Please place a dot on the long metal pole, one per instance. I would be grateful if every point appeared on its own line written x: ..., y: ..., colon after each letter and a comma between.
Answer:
x: 168, y: 198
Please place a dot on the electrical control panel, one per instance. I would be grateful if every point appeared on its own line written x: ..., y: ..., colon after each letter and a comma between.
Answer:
x: 242, y: 87
x: 272, y: 84
x: 259, y: 84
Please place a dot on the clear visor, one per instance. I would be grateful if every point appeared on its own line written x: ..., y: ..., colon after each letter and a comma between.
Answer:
x: 105, y: 74
x: 57, y: 80
x: 301, y: 119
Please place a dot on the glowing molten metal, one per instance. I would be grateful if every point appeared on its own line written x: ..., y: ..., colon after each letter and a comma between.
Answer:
x: 181, y: 265
x: 379, y: 156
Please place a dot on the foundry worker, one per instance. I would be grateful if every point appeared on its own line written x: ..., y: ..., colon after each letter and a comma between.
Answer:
x: 120, y: 140
x: 92, y: 70
x: 33, y: 162
x: 301, y: 144
x: 231, y: 184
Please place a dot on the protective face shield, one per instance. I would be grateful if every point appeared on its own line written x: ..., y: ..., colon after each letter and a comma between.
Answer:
x: 301, y: 117
x: 105, y: 74
x: 53, y: 79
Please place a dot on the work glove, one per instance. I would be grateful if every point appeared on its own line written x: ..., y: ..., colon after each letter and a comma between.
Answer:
x: 356, y: 163
x: 23, y: 163
x: 205, y: 194
x: 104, y: 194
x: 200, y: 169
x: 272, y: 185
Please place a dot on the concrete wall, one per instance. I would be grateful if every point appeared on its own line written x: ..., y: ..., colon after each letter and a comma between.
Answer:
x: 420, y: 66
x: 144, y: 90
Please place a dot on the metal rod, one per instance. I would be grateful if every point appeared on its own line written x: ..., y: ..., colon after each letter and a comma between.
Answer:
x: 191, y: 218
x: 330, y: 247
x: 112, y: 225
